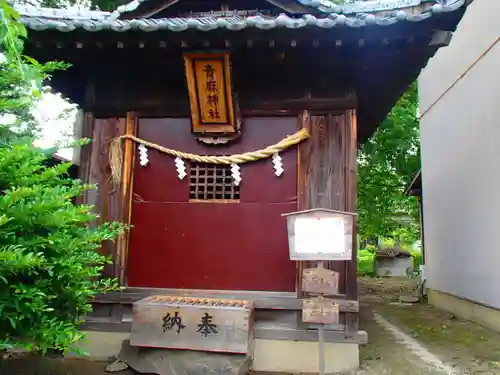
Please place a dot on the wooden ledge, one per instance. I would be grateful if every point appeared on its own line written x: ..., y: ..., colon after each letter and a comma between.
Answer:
x: 262, y: 300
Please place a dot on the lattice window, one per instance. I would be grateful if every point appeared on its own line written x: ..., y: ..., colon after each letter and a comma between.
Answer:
x: 212, y: 182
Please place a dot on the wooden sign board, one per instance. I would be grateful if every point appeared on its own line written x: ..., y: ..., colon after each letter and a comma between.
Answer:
x: 212, y: 325
x: 320, y: 310
x: 320, y: 280
x: 210, y: 95
x: 320, y: 234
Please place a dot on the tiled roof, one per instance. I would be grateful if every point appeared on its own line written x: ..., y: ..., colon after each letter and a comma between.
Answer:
x: 323, y: 6
x: 326, y: 6
x: 40, y: 19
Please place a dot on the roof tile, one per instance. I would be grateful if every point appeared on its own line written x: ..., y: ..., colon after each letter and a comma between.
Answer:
x: 63, y: 20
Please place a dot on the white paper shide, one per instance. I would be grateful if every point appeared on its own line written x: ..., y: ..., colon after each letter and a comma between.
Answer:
x: 180, y: 167
x: 236, y: 174
x: 278, y: 165
x: 143, y: 155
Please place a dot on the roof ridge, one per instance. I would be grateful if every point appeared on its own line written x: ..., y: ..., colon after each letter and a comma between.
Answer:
x: 324, y: 6
x: 71, y: 13
x: 125, y: 8
x: 328, y: 6
x: 236, y: 22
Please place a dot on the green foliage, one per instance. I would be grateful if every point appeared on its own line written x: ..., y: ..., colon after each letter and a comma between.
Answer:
x: 366, y: 263
x: 49, y: 264
x: 386, y: 163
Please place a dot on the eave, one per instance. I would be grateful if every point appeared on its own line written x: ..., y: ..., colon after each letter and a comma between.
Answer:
x: 43, y: 19
x: 419, y: 32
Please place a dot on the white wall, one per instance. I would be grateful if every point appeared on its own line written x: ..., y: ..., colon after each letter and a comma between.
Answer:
x: 460, y: 138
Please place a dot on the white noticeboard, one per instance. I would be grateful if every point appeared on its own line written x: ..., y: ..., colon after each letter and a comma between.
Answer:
x: 319, y: 235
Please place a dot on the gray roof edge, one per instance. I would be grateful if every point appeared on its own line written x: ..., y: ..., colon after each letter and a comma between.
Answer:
x: 66, y: 20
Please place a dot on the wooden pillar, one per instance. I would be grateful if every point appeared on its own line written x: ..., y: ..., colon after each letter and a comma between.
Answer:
x: 351, y: 292
x: 112, y: 202
x: 327, y: 179
x: 107, y: 198
x: 126, y: 196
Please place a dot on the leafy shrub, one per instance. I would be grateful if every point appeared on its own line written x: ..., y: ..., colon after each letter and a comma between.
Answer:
x: 370, y: 248
x: 49, y: 266
x: 417, y: 259
x: 366, y: 262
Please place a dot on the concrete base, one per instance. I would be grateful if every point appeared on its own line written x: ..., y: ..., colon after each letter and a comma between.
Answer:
x: 100, y: 346
x: 486, y: 316
x: 269, y: 355
x: 302, y: 356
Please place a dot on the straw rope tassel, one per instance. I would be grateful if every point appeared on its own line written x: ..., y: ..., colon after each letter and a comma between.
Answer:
x: 116, y: 152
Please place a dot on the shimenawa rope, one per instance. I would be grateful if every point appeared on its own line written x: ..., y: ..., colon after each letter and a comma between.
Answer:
x: 116, y: 152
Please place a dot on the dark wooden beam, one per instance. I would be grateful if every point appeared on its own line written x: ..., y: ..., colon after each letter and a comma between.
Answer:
x: 259, y: 332
x: 260, y: 302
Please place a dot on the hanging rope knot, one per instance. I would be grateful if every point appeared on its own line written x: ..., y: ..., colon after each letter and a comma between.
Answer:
x: 116, y: 152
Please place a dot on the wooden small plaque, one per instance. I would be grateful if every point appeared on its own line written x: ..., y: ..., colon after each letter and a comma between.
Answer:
x: 320, y: 280
x: 320, y: 310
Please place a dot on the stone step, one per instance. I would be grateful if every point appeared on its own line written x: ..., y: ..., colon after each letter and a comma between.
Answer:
x: 202, y: 324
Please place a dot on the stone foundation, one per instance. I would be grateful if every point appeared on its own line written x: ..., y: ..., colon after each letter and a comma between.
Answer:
x: 268, y: 355
x: 486, y: 316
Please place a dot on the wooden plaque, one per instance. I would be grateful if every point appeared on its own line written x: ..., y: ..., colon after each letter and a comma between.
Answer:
x: 210, y: 95
x: 212, y: 325
x: 320, y: 310
x: 320, y: 280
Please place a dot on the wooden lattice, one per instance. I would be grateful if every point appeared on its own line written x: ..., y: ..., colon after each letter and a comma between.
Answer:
x: 212, y: 182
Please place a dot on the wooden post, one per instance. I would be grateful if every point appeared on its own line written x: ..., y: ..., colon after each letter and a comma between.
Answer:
x: 321, y: 348
x: 126, y: 196
x: 327, y: 179
x: 352, y: 320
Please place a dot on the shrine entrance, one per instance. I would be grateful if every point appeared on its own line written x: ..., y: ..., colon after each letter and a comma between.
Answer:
x: 203, y: 231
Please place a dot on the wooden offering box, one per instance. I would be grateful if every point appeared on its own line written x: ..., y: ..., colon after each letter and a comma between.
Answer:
x: 214, y: 325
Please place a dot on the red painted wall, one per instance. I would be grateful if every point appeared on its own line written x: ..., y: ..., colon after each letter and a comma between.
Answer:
x: 232, y: 246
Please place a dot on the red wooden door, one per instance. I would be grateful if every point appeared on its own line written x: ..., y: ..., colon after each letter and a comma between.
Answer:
x: 236, y: 245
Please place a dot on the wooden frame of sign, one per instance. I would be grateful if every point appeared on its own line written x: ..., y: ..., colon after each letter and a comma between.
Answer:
x: 211, y: 99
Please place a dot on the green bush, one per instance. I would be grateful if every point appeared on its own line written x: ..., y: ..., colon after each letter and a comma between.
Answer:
x: 49, y: 264
x: 417, y: 259
x: 366, y: 262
